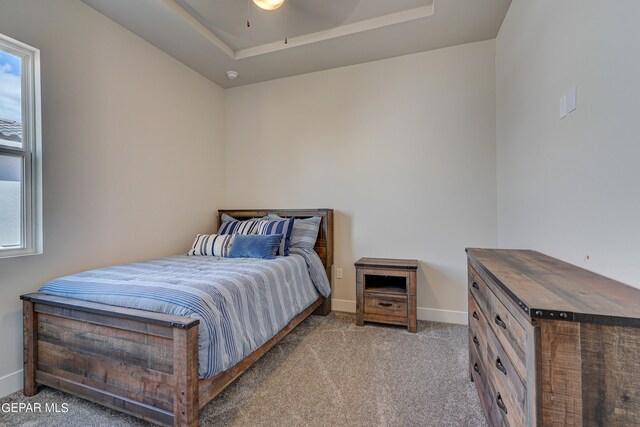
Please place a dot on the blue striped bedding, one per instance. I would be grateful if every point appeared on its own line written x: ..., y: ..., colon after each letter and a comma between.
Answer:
x: 241, y: 302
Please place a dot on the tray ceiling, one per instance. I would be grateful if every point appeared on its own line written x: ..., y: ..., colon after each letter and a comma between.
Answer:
x: 227, y: 18
x: 211, y: 36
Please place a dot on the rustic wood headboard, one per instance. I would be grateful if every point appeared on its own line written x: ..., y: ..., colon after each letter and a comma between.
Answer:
x: 324, y: 243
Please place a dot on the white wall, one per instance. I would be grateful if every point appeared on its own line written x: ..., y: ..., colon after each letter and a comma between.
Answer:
x: 132, y: 153
x: 571, y: 187
x: 403, y: 149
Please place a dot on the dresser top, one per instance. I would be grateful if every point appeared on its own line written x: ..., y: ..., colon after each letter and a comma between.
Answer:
x: 547, y: 284
x: 391, y: 263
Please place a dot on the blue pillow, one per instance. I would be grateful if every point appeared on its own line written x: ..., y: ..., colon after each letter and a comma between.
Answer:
x: 255, y: 246
x: 284, y: 227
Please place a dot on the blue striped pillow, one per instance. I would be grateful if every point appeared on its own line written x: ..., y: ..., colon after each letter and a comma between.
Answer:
x: 212, y: 245
x: 305, y: 231
x: 281, y: 226
x: 230, y: 225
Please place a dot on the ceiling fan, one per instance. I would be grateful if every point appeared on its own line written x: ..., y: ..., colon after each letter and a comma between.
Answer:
x: 268, y: 4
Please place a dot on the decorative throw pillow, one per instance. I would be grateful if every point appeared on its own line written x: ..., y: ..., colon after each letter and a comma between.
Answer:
x: 230, y: 225
x: 305, y: 231
x: 212, y: 245
x: 255, y: 246
x: 279, y: 226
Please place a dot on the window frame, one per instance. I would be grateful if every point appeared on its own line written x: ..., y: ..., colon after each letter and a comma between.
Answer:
x: 31, y: 150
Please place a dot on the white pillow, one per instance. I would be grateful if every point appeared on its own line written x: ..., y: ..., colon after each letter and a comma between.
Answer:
x: 212, y: 245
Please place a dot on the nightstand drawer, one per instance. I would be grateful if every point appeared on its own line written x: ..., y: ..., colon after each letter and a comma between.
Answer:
x: 386, y: 305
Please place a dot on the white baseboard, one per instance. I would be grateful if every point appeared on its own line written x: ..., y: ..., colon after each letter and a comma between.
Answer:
x: 343, y: 305
x: 431, y: 314
x: 10, y: 383
x: 444, y: 316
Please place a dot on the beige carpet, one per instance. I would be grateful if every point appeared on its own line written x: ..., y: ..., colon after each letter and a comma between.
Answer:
x: 327, y: 372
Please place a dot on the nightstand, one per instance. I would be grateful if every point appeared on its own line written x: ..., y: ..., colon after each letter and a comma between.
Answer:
x: 386, y: 291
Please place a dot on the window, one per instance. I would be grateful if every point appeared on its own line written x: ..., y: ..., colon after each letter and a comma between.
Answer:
x: 20, y: 150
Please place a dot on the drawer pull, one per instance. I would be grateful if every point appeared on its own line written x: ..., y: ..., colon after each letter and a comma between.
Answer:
x: 500, y: 366
x: 501, y: 404
x: 385, y: 304
x: 500, y: 323
x: 475, y: 316
x: 476, y: 342
x: 475, y: 368
x: 475, y: 285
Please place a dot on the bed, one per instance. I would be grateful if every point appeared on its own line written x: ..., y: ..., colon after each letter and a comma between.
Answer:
x: 155, y: 365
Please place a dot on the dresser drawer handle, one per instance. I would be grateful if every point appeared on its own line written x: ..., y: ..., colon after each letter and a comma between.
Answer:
x: 500, y: 323
x: 385, y: 304
x: 476, y: 342
x: 475, y: 285
x: 501, y: 404
x: 475, y: 368
x: 500, y: 366
x: 475, y: 316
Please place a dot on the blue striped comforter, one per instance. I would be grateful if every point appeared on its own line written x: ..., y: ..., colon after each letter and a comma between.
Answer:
x: 241, y: 302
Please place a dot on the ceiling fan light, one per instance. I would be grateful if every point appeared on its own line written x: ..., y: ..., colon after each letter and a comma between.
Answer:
x: 268, y: 4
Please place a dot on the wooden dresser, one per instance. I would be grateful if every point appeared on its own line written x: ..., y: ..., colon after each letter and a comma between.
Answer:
x: 551, y: 344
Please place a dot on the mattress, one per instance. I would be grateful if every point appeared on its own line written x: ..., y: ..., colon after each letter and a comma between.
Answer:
x: 241, y: 302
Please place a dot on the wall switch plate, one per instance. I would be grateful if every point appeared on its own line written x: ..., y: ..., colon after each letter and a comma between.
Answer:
x: 572, y: 96
x: 338, y: 273
x: 563, y: 106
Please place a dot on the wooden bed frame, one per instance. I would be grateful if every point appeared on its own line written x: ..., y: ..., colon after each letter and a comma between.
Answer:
x: 139, y: 362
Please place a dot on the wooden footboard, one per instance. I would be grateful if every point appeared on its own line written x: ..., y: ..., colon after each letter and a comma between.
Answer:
x: 138, y: 362
x: 134, y: 361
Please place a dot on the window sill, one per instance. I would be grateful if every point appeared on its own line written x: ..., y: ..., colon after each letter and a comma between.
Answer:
x: 15, y: 253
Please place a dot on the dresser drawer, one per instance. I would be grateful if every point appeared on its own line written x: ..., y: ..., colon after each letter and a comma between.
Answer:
x: 500, y: 371
x: 387, y: 305
x: 509, y: 332
x: 482, y: 382
x: 481, y: 326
